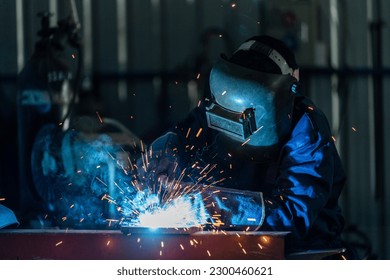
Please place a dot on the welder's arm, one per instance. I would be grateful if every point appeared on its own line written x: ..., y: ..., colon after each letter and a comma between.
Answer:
x: 309, y: 180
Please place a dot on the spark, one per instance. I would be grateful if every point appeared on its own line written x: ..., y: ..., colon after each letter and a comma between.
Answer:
x: 310, y: 108
x: 265, y: 239
x: 333, y: 138
x: 165, y: 203
x: 59, y: 243
x: 73, y: 56
x: 233, y: 5
x: 100, y: 119
x: 162, y: 244
x: 261, y: 247
x: 244, y: 251
x: 258, y: 129
x: 200, y: 130
x: 208, y: 253
x: 245, y: 142
x: 2, y: 198
x: 203, y: 170
x: 110, y: 221
x: 198, y: 76
x: 224, y: 92
x: 182, y: 247
x: 354, y: 129
x: 199, y: 102
x: 108, y: 242
x: 188, y: 132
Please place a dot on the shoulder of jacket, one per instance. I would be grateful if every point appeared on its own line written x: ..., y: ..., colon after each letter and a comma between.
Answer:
x: 311, y: 120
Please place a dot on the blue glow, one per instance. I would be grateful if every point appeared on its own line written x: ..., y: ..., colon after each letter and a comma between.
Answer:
x: 148, y: 210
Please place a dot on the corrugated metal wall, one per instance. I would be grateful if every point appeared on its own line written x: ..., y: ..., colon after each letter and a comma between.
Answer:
x: 142, y: 60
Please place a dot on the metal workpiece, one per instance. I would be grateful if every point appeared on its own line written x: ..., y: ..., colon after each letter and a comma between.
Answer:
x: 140, y: 244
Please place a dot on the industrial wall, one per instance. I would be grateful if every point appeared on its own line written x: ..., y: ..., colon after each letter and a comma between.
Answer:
x: 145, y: 65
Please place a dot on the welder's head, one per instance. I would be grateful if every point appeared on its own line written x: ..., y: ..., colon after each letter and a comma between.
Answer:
x: 253, y: 93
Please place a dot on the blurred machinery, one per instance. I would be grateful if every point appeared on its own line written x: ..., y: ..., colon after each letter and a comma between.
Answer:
x: 46, y: 90
x: 82, y: 174
x: 67, y: 164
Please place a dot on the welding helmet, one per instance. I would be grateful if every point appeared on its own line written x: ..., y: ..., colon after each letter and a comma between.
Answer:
x: 252, y: 96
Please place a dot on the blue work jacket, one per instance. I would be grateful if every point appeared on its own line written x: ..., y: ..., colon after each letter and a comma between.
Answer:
x: 301, y: 182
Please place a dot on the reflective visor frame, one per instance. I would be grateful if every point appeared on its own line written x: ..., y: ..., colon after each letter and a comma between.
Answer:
x: 239, y: 125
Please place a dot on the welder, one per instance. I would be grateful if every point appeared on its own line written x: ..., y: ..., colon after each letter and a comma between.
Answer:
x: 275, y: 166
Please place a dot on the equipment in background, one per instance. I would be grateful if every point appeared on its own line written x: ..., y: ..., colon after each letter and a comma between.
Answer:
x: 83, y: 174
x: 47, y: 88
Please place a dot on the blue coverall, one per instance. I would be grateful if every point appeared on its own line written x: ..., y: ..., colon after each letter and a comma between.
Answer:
x: 301, y: 183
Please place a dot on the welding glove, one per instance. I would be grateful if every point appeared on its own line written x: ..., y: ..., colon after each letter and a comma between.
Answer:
x: 232, y: 209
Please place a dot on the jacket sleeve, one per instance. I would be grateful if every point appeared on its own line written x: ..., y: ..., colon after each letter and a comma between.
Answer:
x: 308, y: 182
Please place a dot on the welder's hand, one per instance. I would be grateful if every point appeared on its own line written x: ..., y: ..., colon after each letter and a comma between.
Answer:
x: 234, y: 209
